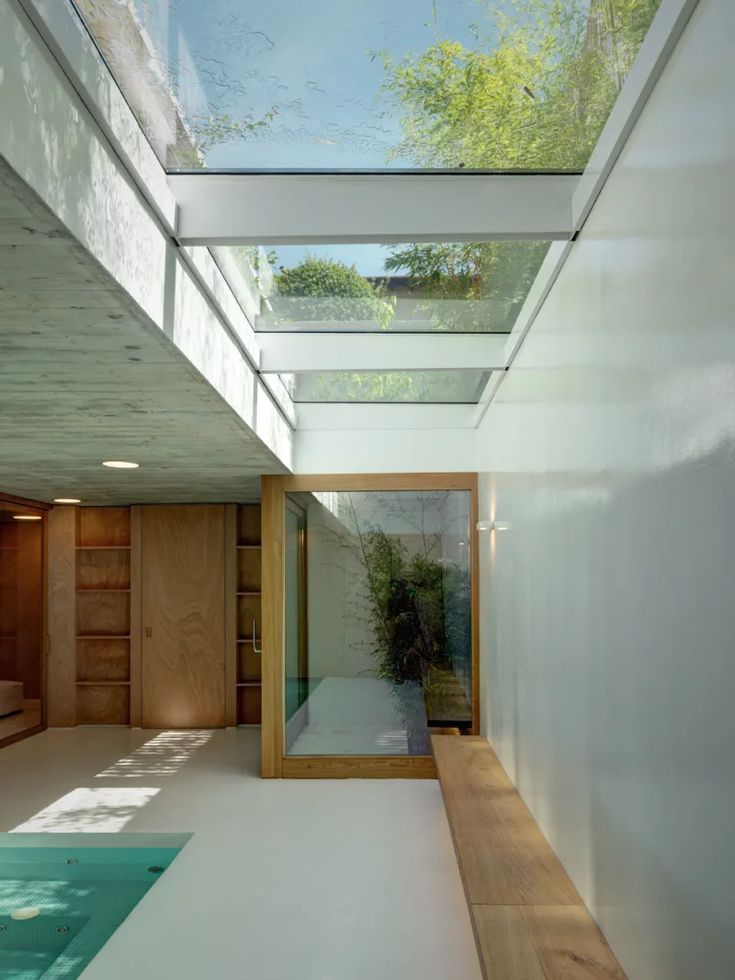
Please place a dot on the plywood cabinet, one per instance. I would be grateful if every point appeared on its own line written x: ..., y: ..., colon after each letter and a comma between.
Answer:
x: 248, y: 587
x: 153, y: 612
x: 106, y: 621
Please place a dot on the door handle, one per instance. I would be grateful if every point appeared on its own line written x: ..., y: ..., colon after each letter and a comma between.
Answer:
x: 255, y: 645
x: 148, y: 631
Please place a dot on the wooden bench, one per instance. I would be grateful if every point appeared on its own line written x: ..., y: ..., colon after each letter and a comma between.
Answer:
x: 528, y: 918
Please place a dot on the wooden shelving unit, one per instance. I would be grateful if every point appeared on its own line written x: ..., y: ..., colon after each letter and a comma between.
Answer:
x: 104, y: 622
x: 8, y: 598
x: 247, y: 614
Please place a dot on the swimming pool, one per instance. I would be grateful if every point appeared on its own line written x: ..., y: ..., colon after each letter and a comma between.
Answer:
x: 83, y: 886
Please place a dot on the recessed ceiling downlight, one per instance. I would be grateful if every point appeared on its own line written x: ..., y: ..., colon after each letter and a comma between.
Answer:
x: 120, y: 464
x: 67, y: 500
x: 26, y: 517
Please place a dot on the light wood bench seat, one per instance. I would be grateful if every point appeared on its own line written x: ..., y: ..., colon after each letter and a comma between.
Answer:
x: 529, y: 920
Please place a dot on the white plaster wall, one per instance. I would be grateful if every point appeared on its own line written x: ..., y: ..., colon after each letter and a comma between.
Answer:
x: 384, y: 450
x: 608, y: 620
x: 49, y: 138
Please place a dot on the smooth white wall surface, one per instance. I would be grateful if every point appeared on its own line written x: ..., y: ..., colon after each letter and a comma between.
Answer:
x: 384, y: 450
x: 608, y: 621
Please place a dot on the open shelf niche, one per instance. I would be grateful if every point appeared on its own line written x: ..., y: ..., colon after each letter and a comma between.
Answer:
x: 104, y: 627
x: 248, y: 605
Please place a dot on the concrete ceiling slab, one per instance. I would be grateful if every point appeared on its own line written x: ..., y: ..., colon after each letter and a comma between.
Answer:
x: 85, y: 377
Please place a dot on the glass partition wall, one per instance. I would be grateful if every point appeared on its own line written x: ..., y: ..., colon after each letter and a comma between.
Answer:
x: 377, y: 606
x: 21, y: 619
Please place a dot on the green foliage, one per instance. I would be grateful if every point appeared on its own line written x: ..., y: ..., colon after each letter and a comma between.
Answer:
x: 330, y: 290
x: 534, y: 93
x: 407, y: 599
x: 499, y: 272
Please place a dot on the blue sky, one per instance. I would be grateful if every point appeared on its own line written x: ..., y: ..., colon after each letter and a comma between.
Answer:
x: 311, y: 59
x: 368, y: 259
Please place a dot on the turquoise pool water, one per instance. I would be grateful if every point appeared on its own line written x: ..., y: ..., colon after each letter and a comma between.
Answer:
x: 84, y: 885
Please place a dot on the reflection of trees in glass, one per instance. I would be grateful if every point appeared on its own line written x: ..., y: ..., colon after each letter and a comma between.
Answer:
x: 321, y: 289
x: 392, y: 386
x: 534, y: 96
x: 533, y: 93
x: 414, y: 602
x: 469, y: 272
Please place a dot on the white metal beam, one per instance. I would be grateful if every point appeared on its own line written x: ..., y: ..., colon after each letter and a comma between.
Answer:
x: 342, y: 417
x: 289, y: 352
x: 240, y: 208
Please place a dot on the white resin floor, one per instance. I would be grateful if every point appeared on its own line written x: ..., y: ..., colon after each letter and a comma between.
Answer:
x: 283, y: 879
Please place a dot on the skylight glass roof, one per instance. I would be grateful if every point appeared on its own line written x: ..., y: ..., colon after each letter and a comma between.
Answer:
x: 370, y: 84
x: 468, y: 287
x: 439, y: 387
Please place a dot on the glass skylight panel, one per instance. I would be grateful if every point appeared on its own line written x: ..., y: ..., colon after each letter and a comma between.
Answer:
x: 459, y: 287
x: 389, y: 387
x: 424, y: 84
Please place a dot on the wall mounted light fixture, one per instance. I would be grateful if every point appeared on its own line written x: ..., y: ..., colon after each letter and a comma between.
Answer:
x: 492, y: 526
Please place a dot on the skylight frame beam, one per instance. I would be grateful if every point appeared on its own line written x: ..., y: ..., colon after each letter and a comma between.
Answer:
x: 332, y: 351
x: 357, y: 416
x: 327, y: 208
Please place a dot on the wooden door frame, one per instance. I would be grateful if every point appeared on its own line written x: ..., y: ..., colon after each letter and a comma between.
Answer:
x: 42, y: 509
x: 274, y: 762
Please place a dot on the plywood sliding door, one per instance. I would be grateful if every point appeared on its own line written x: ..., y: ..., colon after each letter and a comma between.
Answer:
x: 183, y: 616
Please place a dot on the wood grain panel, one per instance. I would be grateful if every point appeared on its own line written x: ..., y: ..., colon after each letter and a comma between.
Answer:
x: 9, y: 608
x: 505, y: 946
x: 503, y: 856
x: 543, y: 943
x: 249, y: 663
x: 249, y: 709
x: 249, y: 609
x: 529, y: 921
x: 273, y: 521
x: 103, y: 660
x: 103, y: 704
x: 103, y: 569
x: 61, y: 665
x: 22, y: 721
x: 103, y: 526
x: 570, y: 944
x: 103, y: 614
x: 358, y: 767
x: 231, y: 645
x: 135, y: 613
x: 248, y: 524
x: 249, y: 570
x: 378, y: 481
x: 8, y: 647
x: 183, y: 605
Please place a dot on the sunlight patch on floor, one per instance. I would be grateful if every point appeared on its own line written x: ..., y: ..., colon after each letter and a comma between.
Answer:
x: 163, y: 755
x: 104, y: 809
